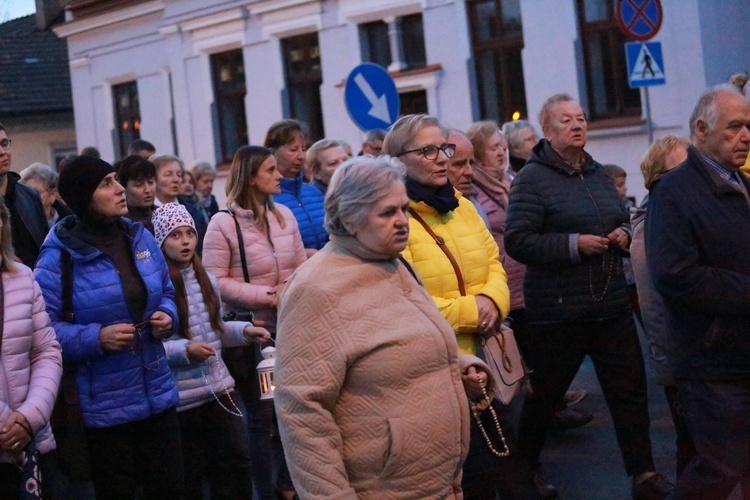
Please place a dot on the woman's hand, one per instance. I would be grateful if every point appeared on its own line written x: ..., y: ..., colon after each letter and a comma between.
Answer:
x: 161, y: 324
x: 256, y: 334
x: 590, y: 244
x: 276, y: 292
x: 13, y: 435
x: 488, y: 315
x: 199, y: 351
x: 474, y: 381
x: 116, y: 337
x: 620, y: 238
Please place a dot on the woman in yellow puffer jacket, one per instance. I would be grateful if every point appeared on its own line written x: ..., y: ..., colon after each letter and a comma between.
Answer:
x: 420, y: 143
x: 457, y: 258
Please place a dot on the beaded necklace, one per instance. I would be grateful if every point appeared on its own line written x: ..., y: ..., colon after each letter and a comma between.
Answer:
x: 473, y: 405
x: 205, y: 372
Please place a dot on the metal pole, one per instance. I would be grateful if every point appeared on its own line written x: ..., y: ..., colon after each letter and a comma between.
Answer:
x: 649, y: 125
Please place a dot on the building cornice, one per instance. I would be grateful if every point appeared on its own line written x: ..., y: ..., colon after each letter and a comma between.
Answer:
x: 79, y: 26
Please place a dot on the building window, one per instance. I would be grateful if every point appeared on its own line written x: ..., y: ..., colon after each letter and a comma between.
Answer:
x: 127, y: 116
x: 497, y: 41
x: 413, y: 102
x: 603, y: 43
x: 228, y: 70
x: 303, y: 80
x: 407, y: 32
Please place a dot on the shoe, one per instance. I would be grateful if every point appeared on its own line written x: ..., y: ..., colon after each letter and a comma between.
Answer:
x: 545, y: 489
x: 569, y: 419
x: 654, y: 488
x: 575, y: 397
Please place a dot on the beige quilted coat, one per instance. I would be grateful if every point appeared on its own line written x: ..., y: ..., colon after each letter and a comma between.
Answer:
x: 368, y: 385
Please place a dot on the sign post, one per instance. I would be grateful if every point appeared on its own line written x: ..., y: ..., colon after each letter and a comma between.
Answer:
x: 641, y: 20
x: 645, y: 68
x: 371, y: 97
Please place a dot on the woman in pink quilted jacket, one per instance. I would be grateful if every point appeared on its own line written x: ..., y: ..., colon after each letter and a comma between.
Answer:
x: 30, y: 367
x: 271, y: 247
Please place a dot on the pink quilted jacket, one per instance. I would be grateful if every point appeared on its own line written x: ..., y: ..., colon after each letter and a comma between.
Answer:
x: 269, y: 263
x: 492, y: 195
x: 30, y: 358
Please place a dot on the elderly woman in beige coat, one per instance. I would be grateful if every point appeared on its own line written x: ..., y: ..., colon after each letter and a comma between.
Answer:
x: 368, y: 381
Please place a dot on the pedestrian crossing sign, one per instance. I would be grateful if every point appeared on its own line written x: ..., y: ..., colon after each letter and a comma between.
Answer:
x: 645, y: 64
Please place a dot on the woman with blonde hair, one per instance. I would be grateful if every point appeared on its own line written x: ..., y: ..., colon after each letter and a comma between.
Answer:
x: 252, y: 248
x: 30, y: 367
x: 662, y: 156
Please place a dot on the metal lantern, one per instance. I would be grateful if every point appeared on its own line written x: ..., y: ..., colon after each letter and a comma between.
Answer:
x: 265, y: 372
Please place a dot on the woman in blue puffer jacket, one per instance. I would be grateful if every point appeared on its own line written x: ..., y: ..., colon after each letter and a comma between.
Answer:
x: 109, y: 321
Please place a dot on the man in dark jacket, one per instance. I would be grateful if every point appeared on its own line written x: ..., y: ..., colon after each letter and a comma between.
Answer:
x: 28, y: 222
x: 697, y: 250
x: 569, y: 226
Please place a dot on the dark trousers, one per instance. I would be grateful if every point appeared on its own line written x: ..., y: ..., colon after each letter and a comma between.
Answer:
x: 487, y: 476
x: 10, y: 478
x: 555, y: 353
x: 718, y: 418
x: 147, y: 452
x: 215, y: 448
x: 264, y: 452
x: 684, y: 443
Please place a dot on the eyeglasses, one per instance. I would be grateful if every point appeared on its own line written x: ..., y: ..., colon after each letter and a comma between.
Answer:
x: 431, y: 152
x: 5, y: 144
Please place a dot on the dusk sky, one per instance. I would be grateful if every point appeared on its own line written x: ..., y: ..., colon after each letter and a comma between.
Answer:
x: 11, y: 9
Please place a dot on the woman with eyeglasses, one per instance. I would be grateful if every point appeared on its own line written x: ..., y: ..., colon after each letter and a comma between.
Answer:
x: 458, y: 260
x: 111, y: 301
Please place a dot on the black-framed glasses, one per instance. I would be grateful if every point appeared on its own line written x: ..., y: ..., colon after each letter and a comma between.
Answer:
x: 5, y: 143
x: 431, y: 151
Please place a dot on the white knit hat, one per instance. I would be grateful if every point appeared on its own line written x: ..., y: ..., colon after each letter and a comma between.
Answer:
x: 169, y: 217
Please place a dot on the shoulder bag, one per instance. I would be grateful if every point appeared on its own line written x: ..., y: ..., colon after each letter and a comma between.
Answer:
x: 500, y: 350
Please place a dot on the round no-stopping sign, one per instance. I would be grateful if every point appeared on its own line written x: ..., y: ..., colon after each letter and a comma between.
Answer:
x: 639, y: 19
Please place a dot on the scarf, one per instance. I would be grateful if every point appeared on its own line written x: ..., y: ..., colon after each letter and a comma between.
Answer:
x: 495, y: 189
x: 442, y: 198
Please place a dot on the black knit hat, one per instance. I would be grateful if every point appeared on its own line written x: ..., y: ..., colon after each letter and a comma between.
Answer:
x: 78, y: 181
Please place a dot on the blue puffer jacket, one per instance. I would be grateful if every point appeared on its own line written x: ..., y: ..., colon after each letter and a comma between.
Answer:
x: 114, y: 387
x: 306, y: 202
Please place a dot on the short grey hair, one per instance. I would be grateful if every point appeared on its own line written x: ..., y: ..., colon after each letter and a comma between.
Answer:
x: 706, y: 110
x: 403, y: 131
x: 41, y: 172
x: 544, y: 113
x: 356, y: 186
x: 512, y: 132
x: 376, y: 134
x: 311, y: 156
x: 201, y: 167
x: 160, y: 160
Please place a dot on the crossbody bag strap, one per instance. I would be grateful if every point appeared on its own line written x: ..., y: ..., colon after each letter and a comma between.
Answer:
x: 408, y: 267
x: 441, y: 243
x: 241, y: 243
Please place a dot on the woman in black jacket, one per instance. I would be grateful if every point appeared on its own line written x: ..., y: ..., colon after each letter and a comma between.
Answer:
x: 567, y: 224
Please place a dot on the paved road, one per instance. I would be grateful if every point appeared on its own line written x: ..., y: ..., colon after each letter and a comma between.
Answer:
x: 585, y: 463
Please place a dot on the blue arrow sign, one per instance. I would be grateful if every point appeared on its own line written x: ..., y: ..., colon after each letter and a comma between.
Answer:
x: 645, y: 64
x: 371, y: 97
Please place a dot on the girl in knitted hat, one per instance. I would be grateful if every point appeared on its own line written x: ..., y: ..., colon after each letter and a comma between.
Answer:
x: 213, y: 435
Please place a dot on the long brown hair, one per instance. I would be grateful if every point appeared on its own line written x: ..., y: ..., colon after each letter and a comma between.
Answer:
x: 210, y: 298
x: 245, y: 165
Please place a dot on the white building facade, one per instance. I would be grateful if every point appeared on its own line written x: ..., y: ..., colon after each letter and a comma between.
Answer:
x: 199, y: 78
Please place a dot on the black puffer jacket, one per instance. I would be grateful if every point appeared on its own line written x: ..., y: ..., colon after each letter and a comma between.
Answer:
x: 549, y: 202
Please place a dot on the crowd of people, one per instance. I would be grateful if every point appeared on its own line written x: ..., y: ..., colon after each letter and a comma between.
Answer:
x: 128, y: 355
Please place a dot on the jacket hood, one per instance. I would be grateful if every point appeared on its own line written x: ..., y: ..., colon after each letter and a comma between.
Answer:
x: 63, y: 236
x: 544, y: 153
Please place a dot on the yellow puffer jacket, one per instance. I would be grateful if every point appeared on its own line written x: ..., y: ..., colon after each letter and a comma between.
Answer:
x: 746, y: 168
x: 476, y: 254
